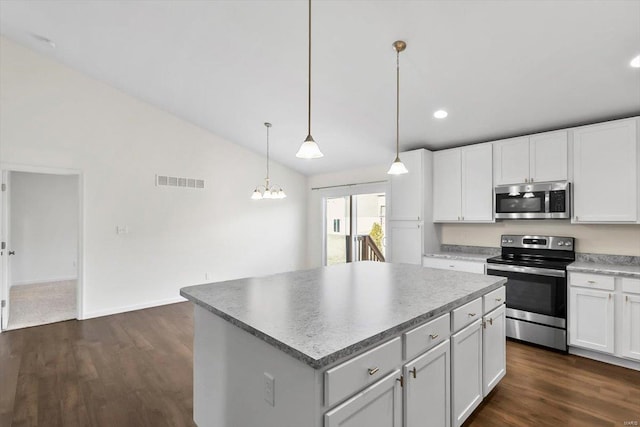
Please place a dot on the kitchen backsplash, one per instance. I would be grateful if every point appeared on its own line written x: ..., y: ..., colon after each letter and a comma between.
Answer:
x: 623, y: 239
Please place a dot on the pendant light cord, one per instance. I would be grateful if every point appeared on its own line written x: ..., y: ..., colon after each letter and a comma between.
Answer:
x: 397, y: 104
x: 267, y: 156
x: 309, y: 93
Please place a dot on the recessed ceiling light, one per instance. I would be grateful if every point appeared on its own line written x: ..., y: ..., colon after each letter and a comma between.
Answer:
x: 43, y: 39
x: 635, y: 62
x: 440, y: 114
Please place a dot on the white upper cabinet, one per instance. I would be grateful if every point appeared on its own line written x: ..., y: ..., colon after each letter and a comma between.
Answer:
x: 477, y: 183
x: 511, y: 161
x: 605, y: 168
x: 463, y: 184
x: 536, y: 158
x: 548, y: 157
x: 407, y: 190
x: 447, y: 185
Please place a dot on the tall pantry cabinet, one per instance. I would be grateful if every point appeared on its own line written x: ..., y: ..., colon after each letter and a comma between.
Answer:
x: 410, y: 224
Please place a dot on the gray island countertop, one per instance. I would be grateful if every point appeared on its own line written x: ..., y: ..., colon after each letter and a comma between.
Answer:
x: 321, y: 315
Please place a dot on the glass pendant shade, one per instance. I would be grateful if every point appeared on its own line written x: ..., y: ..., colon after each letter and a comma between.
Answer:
x: 281, y: 194
x: 397, y: 168
x: 257, y: 195
x: 267, y: 194
x: 309, y: 149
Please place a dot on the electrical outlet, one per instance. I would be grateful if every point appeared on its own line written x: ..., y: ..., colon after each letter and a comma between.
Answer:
x: 269, y: 389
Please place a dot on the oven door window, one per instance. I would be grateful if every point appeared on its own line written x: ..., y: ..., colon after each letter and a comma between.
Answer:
x: 531, y: 202
x: 535, y: 293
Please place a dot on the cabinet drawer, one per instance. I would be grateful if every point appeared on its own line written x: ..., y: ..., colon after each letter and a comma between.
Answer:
x: 494, y: 299
x: 355, y: 374
x: 454, y: 264
x: 631, y: 285
x: 426, y: 336
x: 594, y: 281
x: 466, y: 314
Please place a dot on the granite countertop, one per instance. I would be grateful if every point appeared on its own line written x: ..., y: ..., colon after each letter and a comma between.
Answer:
x: 322, y: 315
x: 602, y: 268
x: 462, y: 256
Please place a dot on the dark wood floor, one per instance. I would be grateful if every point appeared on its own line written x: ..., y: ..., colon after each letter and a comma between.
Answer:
x: 135, y: 369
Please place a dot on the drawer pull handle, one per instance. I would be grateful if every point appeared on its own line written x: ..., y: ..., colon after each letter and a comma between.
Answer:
x: 433, y: 336
x: 626, y: 298
x: 472, y: 314
x: 414, y: 372
x: 452, y: 266
x: 373, y: 371
x: 609, y: 296
x: 491, y: 321
x: 498, y: 299
x: 591, y: 281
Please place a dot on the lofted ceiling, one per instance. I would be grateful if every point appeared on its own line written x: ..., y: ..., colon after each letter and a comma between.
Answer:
x: 500, y: 68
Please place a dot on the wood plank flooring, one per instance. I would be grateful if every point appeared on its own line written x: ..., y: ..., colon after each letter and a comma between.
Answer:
x: 135, y: 369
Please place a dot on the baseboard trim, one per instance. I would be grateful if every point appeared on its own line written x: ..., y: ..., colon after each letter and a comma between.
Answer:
x: 124, y: 309
x: 39, y: 281
x: 606, y: 358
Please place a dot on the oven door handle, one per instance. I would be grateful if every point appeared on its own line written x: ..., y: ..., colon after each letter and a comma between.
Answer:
x: 528, y: 270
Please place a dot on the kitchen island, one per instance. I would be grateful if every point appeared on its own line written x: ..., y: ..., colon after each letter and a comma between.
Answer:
x: 360, y: 344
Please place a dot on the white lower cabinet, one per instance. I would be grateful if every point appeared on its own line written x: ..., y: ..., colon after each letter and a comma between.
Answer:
x: 494, y: 349
x: 630, y: 346
x: 379, y: 405
x: 427, y: 396
x: 453, y: 264
x: 466, y: 372
x: 591, y: 319
x: 438, y: 381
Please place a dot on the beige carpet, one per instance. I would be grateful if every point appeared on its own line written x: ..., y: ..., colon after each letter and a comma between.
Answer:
x: 41, y: 303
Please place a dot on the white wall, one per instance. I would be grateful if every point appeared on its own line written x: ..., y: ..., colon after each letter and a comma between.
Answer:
x: 314, y: 209
x: 54, y: 116
x: 44, y: 227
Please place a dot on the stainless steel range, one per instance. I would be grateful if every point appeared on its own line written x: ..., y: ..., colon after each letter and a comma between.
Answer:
x: 536, y: 269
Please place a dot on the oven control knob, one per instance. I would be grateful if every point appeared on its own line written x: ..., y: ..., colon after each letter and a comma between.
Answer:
x: 560, y: 243
x: 567, y: 243
x: 510, y: 241
x: 504, y: 240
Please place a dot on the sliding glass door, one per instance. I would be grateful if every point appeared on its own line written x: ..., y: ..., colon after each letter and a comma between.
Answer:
x: 354, y: 228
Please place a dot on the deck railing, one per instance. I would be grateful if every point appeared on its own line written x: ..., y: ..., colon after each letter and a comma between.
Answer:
x: 368, y: 250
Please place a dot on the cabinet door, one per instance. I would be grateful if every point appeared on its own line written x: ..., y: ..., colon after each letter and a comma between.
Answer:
x: 427, y: 389
x: 407, y: 190
x: 466, y: 372
x: 630, y: 345
x: 548, y: 157
x: 379, y: 405
x: 591, y: 319
x: 605, y: 172
x: 511, y: 160
x: 447, y: 186
x: 406, y: 242
x: 477, y: 183
x: 494, y: 349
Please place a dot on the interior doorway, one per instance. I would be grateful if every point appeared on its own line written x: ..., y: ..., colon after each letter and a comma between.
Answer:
x: 355, y: 228
x: 41, y: 236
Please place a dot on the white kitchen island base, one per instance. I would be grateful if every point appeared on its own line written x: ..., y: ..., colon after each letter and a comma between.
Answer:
x: 316, y: 362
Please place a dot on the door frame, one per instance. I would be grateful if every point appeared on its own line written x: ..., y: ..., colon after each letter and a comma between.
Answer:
x: 5, y: 169
x: 343, y: 191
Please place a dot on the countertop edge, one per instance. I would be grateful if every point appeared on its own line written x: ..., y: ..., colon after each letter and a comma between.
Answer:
x: 611, y: 269
x: 461, y: 256
x: 353, y: 348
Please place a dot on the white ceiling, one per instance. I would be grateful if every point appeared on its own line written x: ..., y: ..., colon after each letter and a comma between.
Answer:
x: 500, y: 68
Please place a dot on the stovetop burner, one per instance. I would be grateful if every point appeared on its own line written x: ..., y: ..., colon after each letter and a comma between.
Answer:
x: 529, y: 261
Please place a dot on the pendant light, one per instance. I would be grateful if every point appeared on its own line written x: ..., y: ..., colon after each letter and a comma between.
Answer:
x: 268, y: 191
x: 397, y: 167
x: 309, y: 149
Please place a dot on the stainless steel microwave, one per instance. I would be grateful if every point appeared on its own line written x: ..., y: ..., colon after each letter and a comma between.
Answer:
x: 543, y: 200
